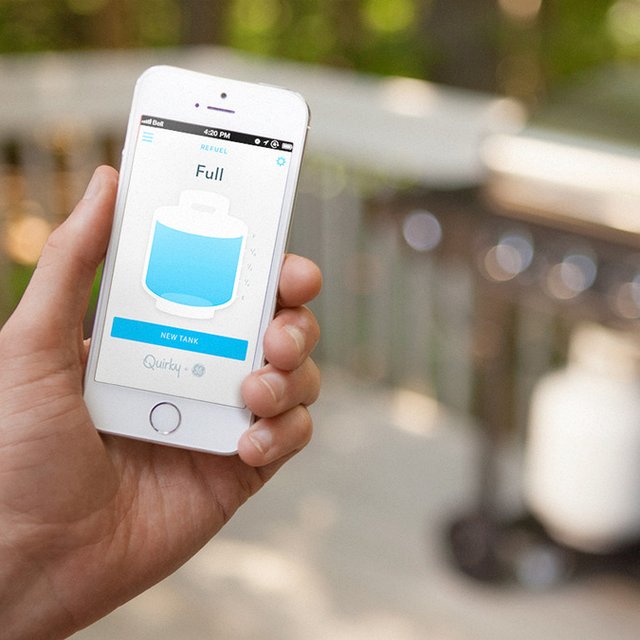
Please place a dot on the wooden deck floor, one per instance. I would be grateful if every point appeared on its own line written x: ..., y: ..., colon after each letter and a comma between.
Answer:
x: 346, y: 543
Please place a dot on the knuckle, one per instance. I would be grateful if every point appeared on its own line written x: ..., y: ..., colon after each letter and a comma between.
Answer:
x: 313, y: 381
x: 304, y: 423
x: 51, y: 247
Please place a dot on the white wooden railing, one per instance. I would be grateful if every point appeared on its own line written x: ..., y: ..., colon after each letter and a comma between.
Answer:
x: 382, y: 309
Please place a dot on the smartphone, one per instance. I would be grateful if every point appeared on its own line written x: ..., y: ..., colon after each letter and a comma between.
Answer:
x: 205, y: 198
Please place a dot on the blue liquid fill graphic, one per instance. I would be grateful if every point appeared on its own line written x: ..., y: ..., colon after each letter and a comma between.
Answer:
x: 191, y: 269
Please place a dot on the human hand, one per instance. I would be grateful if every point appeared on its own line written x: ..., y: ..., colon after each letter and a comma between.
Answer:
x: 88, y: 521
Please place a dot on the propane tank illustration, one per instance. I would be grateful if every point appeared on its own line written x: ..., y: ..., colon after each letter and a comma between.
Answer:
x: 194, y: 255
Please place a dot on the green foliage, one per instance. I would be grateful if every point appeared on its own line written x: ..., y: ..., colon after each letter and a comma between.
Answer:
x: 575, y: 36
x: 537, y: 44
x: 40, y: 25
x: 18, y: 278
x: 35, y: 25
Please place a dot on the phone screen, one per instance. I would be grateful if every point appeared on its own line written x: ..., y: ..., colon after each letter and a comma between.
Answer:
x: 188, y: 290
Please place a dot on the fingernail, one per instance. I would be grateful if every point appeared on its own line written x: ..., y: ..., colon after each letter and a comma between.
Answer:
x: 262, y: 440
x: 275, y: 385
x: 93, y: 188
x: 297, y: 335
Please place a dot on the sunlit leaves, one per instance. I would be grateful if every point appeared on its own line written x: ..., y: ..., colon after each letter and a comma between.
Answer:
x: 389, y: 17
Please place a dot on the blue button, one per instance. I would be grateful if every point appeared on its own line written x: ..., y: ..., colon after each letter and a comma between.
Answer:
x: 165, y: 336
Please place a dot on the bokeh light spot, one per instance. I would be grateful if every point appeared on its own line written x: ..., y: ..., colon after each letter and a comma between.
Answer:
x: 422, y: 231
x: 389, y: 17
x: 25, y: 238
x: 511, y: 256
x: 569, y: 278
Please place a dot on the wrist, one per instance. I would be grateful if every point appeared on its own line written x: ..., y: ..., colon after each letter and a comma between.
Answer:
x: 30, y: 609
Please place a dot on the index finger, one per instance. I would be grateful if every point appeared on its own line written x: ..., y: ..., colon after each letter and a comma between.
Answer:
x: 300, y: 281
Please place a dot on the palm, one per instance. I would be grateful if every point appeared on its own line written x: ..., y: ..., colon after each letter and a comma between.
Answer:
x: 121, y: 508
x: 107, y: 497
x: 88, y: 521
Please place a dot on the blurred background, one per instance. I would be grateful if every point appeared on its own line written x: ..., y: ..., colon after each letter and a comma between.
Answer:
x: 471, y: 192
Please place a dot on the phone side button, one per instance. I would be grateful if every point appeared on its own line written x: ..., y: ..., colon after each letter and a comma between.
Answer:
x: 165, y: 418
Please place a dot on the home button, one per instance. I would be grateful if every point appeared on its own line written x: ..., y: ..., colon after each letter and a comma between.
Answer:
x: 165, y: 418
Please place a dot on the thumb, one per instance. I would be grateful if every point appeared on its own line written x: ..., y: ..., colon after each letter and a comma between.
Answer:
x: 54, y: 303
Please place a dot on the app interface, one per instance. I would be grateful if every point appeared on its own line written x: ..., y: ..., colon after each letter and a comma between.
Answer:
x: 196, y: 244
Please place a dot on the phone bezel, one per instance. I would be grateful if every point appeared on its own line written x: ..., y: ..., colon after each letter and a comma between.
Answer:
x: 173, y: 94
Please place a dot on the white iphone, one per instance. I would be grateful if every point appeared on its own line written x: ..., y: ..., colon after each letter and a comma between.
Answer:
x: 207, y: 184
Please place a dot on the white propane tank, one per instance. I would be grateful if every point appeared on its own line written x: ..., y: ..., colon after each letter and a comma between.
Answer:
x: 582, y: 463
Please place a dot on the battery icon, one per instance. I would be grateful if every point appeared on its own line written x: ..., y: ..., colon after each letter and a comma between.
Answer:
x: 287, y: 146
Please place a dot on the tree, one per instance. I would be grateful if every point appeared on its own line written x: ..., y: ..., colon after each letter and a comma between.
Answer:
x: 204, y: 21
x: 464, y: 40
